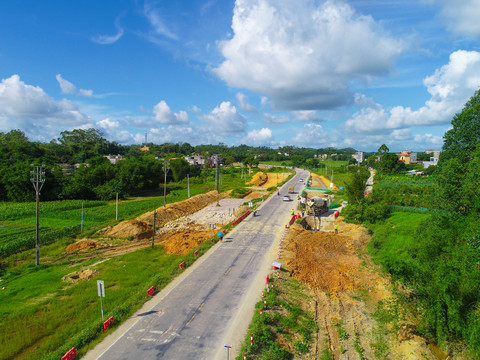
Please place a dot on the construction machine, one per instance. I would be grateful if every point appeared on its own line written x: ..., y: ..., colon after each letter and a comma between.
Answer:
x: 317, y: 206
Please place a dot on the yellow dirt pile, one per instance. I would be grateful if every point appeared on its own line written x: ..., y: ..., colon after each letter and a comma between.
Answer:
x: 142, y: 226
x: 325, y: 260
x: 83, y: 245
x: 81, y: 275
x: 258, y: 179
x: 182, y: 242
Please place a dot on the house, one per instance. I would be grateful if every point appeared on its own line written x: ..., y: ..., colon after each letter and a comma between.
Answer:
x: 196, y: 159
x: 407, y: 156
x: 145, y: 148
x: 114, y: 158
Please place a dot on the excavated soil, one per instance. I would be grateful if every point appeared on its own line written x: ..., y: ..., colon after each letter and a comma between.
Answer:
x: 84, y: 245
x: 258, y: 179
x: 347, y: 288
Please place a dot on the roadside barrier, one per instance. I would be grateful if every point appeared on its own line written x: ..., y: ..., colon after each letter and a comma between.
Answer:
x: 241, y: 218
x: 251, y: 339
x: 107, y: 323
x: 70, y: 354
x: 182, y: 265
x: 151, y: 291
x: 195, y: 253
x: 266, y: 280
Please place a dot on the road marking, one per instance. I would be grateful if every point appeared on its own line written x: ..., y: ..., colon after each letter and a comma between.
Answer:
x: 189, y: 321
x: 226, y: 272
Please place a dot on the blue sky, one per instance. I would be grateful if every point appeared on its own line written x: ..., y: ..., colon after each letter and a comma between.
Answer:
x: 310, y: 73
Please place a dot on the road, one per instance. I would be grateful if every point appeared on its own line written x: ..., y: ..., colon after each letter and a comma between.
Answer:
x: 211, y: 303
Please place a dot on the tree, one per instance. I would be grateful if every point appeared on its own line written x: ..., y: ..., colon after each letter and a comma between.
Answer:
x: 355, y: 188
x: 460, y: 141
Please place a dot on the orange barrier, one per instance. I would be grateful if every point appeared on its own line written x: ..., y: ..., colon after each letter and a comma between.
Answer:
x: 151, y: 291
x: 182, y: 265
x: 72, y: 353
x: 107, y: 323
x: 195, y: 253
x: 241, y: 218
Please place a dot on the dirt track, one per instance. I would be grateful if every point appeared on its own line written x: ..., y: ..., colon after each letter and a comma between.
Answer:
x: 347, y: 288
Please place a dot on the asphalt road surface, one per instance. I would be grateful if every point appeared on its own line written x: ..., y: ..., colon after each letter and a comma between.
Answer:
x: 211, y: 303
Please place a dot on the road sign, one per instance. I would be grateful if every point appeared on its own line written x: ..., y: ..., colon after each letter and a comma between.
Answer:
x: 250, y: 204
x: 101, y: 288
x: 277, y: 264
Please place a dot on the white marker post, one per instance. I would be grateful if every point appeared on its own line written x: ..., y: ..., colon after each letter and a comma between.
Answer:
x: 101, y: 293
x: 228, y: 349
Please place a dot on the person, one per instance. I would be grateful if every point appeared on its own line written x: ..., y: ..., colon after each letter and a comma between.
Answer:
x: 278, y: 193
x: 254, y: 212
x: 293, y: 212
x: 336, y: 228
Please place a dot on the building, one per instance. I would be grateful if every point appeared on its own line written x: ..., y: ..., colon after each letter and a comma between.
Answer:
x: 435, y: 153
x: 407, y: 156
x: 196, y: 159
x: 114, y: 158
x: 359, y: 156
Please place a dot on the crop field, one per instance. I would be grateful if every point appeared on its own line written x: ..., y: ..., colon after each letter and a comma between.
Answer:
x: 63, y: 218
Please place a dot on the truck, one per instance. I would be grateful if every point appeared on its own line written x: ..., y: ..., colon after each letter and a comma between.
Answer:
x: 317, y: 206
x: 291, y: 190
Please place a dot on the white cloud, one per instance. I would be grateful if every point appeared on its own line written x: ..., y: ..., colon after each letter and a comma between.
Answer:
x: 164, y: 115
x: 306, y: 115
x: 226, y: 120
x: 159, y: 30
x: 31, y: 110
x: 108, y: 124
x: 243, y: 103
x: 109, y: 39
x: 261, y: 137
x: 450, y: 87
x: 312, y: 135
x: 68, y: 88
x: 303, y: 54
x: 461, y: 16
x: 276, y: 120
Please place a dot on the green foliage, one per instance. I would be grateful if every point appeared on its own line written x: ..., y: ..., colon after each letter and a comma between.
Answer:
x: 355, y: 187
x: 366, y: 211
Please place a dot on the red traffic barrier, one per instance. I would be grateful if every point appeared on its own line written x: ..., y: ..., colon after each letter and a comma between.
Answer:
x: 195, y: 253
x: 151, y: 291
x: 107, y: 323
x: 251, y: 339
x: 241, y: 218
x: 266, y: 280
x: 336, y: 214
x: 245, y: 356
x: 70, y: 354
x: 182, y: 265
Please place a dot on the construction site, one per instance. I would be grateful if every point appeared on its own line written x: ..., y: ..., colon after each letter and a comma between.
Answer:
x: 345, y: 286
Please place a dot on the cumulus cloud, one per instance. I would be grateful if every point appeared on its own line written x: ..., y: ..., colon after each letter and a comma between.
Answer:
x: 109, y: 124
x: 450, y: 87
x: 226, y: 120
x: 461, y: 16
x: 312, y: 135
x: 276, y: 120
x: 164, y: 115
x: 259, y: 137
x: 109, y: 39
x: 304, y: 54
x: 243, y: 103
x: 68, y: 88
x: 306, y: 116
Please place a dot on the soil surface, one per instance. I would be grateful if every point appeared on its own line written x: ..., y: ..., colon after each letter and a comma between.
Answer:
x: 347, y: 288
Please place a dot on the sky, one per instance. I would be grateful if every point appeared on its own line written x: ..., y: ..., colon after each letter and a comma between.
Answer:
x: 308, y: 73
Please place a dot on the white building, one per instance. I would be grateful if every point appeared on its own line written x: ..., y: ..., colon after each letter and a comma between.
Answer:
x: 359, y: 156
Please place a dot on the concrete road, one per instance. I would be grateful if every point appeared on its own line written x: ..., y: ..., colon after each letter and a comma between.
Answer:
x: 212, y: 302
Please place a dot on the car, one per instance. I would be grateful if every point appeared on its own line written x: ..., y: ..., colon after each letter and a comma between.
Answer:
x: 286, y: 198
x: 301, y: 180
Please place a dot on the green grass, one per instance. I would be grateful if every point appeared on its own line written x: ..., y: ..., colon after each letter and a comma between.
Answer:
x: 51, y: 316
x: 393, y: 242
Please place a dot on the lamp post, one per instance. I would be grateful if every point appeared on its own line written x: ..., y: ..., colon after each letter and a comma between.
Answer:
x: 37, y: 180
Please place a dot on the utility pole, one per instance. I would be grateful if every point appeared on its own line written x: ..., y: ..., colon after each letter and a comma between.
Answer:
x: 216, y: 179
x: 153, y: 234
x: 188, y: 185
x: 166, y: 167
x: 37, y: 180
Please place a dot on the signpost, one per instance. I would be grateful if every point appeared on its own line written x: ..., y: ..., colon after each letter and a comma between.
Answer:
x: 228, y: 347
x: 101, y: 293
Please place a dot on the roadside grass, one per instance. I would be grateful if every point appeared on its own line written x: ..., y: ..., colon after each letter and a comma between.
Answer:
x: 41, y: 317
x: 393, y: 244
x: 285, y: 329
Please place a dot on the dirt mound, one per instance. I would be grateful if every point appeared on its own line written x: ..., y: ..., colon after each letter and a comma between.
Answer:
x: 81, y: 275
x: 182, y: 242
x: 142, y: 226
x: 324, y: 260
x: 258, y: 179
x: 83, y: 245
x: 254, y: 195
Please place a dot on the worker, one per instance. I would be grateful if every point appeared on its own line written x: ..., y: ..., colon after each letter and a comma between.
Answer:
x: 293, y: 212
x: 335, y: 227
